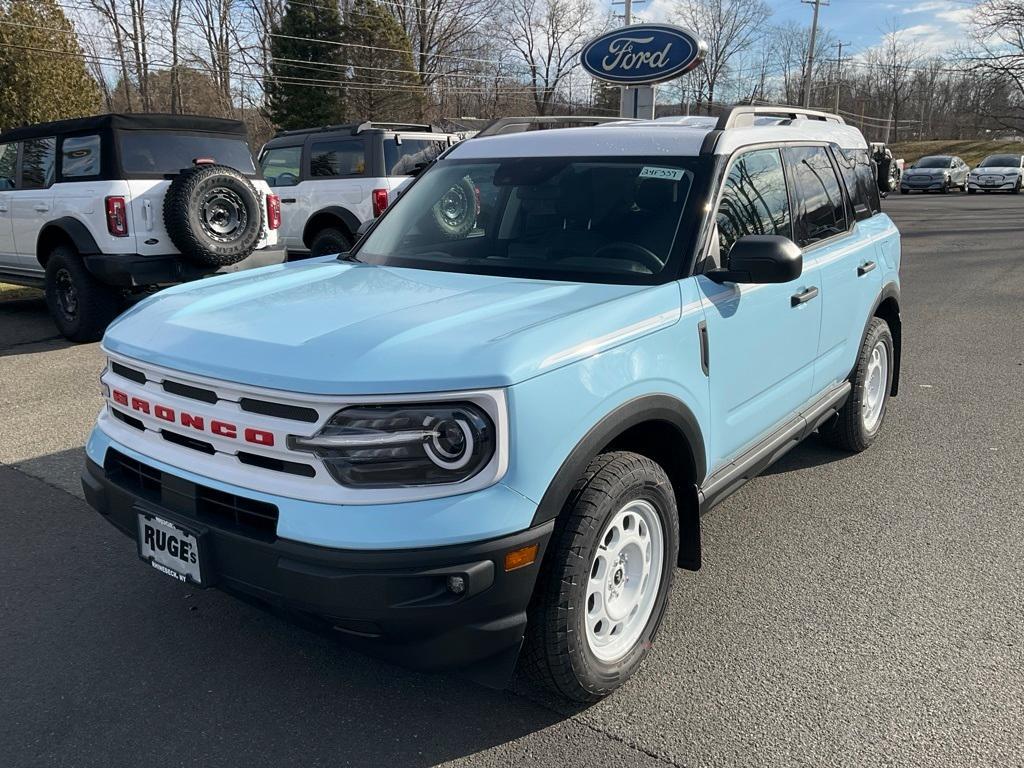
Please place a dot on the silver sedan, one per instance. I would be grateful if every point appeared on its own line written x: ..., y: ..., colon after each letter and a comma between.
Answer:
x: 997, y: 173
x: 936, y: 173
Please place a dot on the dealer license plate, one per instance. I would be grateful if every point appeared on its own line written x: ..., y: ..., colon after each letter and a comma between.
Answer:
x: 169, y: 549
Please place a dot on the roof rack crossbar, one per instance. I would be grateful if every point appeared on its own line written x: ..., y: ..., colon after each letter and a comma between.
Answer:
x: 392, y: 126
x: 519, y: 124
x: 742, y: 116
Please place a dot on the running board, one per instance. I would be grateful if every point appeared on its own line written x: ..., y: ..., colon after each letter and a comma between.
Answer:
x: 765, y: 453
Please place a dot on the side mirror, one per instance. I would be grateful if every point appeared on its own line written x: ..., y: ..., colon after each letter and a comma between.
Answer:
x: 761, y: 259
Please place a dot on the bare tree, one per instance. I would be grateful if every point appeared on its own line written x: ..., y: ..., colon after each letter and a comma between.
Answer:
x: 997, y: 54
x: 547, y: 35
x: 729, y: 27
x: 895, y: 60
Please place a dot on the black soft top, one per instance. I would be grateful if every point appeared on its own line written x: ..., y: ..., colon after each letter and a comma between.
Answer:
x: 128, y: 122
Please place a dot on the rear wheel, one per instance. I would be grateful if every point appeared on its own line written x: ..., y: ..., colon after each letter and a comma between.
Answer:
x: 858, y: 422
x: 971, y: 191
x: 329, y: 241
x: 81, y: 305
x: 606, y: 579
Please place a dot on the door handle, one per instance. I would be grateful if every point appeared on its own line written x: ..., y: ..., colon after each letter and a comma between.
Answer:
x: 287, y: 200
x: 804, y: 296
x: 866, y: 267
x: 41, y: 207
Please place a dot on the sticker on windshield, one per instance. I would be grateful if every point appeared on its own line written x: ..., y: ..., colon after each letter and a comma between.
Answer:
x: 653, y: 172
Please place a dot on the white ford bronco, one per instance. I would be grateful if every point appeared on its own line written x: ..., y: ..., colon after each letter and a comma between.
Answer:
x: 334, y: 179
x: 97, y: 208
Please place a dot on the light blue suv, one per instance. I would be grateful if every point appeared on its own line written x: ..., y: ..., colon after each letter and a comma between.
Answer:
x: 493, y: 426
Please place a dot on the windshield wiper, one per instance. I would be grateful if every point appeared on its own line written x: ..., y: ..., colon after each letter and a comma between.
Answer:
x: 349, y: 256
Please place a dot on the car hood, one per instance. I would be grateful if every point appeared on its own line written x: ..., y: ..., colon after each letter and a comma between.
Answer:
x: 330, y: 327
x: 997, y: 170
x: 927, y: 171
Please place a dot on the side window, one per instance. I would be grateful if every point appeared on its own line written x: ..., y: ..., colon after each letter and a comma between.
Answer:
x: 37, y: 163
x: 8, y: 165
x: 818, y: 198
x: 328, y: 159
x: 754, y: 200
x: 859, y: 176
x: 402, y: 159
x: 280, y: 166
x: 80, y: 157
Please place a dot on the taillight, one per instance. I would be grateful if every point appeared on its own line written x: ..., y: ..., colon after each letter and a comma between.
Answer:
x: 273, y: 211
x: 380, y: 201
x: 117, y: 217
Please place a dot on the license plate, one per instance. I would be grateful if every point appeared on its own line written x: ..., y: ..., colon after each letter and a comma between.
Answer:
x: 170, y: 549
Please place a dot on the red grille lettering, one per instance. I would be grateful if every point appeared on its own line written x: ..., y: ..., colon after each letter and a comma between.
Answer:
x: 195, y: 422
x: 259, y: 436
x: 120, y: 397
x: 163, y: 412
x: 138, y: 404
x: 224, y: 429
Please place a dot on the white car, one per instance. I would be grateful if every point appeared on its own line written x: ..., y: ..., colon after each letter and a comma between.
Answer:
x: 96, y: 208
x: 331, y: 180
x: 997, y: 173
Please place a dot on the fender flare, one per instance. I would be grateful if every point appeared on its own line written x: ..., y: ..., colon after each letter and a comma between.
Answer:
x: 646, y: 408
x: 346, y: 216
x: 889, y: 291
x: 66, y: 228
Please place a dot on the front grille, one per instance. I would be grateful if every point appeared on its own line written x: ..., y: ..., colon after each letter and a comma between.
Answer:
x: 188, y: 442
x: 193, y: 393
x: 131, y: 421
x: 129, y: 373
x: 280, y: 410
x: 277, y: 465
x: 257, y: 519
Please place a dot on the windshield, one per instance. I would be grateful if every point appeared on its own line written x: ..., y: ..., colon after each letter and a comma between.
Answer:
x: 933, y: 162
x: 161, y: 153
x: 602, y: 219
x: 1001, y: 161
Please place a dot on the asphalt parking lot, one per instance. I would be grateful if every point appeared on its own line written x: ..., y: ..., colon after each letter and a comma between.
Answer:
x: 852, y: 611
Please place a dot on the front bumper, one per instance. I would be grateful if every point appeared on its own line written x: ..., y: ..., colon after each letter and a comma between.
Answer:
x: 1004, y: 186
x: 907, y: 185
x: 136, y: 271
x: 392, y: 603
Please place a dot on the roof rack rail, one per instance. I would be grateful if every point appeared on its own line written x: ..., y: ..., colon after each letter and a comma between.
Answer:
x: 743, y: 116
x: 505, y: 125
x: 393, y: 127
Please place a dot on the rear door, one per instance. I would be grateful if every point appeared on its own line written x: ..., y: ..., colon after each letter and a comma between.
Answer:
x: 32, y: 200
x: 282, y: 170
x: 8, y: 172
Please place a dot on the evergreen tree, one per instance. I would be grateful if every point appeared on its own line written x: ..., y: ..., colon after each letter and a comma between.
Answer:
x: 607, y: 98
x: 382, y: 82
x: 297, y: 55
x: 43, y: 75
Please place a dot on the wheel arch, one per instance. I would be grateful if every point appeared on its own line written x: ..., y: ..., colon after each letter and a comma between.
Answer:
x: 660, y: 427
x: 66, y: 230
x: 887, y: 307
x: 333, y: 215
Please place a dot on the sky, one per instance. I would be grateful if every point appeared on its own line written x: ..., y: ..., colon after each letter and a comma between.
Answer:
x: 934, y: 25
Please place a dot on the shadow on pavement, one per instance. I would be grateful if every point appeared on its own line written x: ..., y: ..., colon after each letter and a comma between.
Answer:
x: 812, y: 452
x: 108, y: 662
x: 26, y: 326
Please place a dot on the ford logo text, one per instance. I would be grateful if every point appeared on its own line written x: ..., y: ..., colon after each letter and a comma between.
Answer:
x: 642, y: 54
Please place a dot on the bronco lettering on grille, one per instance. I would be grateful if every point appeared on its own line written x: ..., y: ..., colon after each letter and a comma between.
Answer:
x: 217, y: 427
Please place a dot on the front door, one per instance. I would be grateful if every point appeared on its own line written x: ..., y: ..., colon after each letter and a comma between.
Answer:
x: 763, y: 338
x: 31, y: 202
x: 8, y: 172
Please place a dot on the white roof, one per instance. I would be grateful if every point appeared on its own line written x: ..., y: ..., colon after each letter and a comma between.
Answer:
x: 651, y: 138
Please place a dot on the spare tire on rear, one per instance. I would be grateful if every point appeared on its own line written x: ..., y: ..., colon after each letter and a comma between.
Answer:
x: 213, y: 215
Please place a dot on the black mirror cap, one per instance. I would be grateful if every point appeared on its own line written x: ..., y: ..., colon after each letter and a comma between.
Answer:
x: 761, y: 259
x: 364, y: 228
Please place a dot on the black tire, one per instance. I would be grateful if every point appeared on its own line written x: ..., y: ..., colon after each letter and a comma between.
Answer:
x: 454, y: 214
x: 903, y: 191
x: 213, y: 215
x: 81, y: 306
x: 847, y: 429
x: 556, y: 654
x: 1016, y: 188
x: 329, y: 241
x: 971, y: 191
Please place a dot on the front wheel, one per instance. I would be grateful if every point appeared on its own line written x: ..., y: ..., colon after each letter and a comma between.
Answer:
x: 81, y: 305
x: 606, y: 580
x: 971, y: 191
x: 328, y: 242
x: 858, y: 422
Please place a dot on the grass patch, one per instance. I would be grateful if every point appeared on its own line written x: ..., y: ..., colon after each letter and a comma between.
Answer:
x: 973, y: 151
x: 13, y: 292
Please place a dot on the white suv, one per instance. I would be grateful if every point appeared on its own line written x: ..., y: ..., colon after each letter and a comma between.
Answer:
x: 331, y: 180
x: 97, y: 208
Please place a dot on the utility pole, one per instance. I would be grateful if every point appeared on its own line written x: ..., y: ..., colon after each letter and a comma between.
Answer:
x: 810, y: 49
x: 634, y: 100
x: 839, y: 71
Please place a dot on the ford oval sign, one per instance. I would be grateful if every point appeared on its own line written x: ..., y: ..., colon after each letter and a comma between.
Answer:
x: 642, y: 54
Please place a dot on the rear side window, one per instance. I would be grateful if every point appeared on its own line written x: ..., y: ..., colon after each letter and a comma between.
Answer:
x: 153, y: 153
x: 8, y: 165
x: 331, y: 159
x: 37, y: 163
x: 281, y: 166
x: 819, y: 210
x: 402, y: 159
x: 754, y: 200
x: 80, y: 157
x: 861, y: 184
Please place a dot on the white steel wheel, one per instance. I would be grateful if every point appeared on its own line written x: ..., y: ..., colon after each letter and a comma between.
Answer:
x: 875, y: 386
x: 625, y: 574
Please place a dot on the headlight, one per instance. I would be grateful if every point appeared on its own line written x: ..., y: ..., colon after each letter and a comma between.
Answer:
x: 402, y: 445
